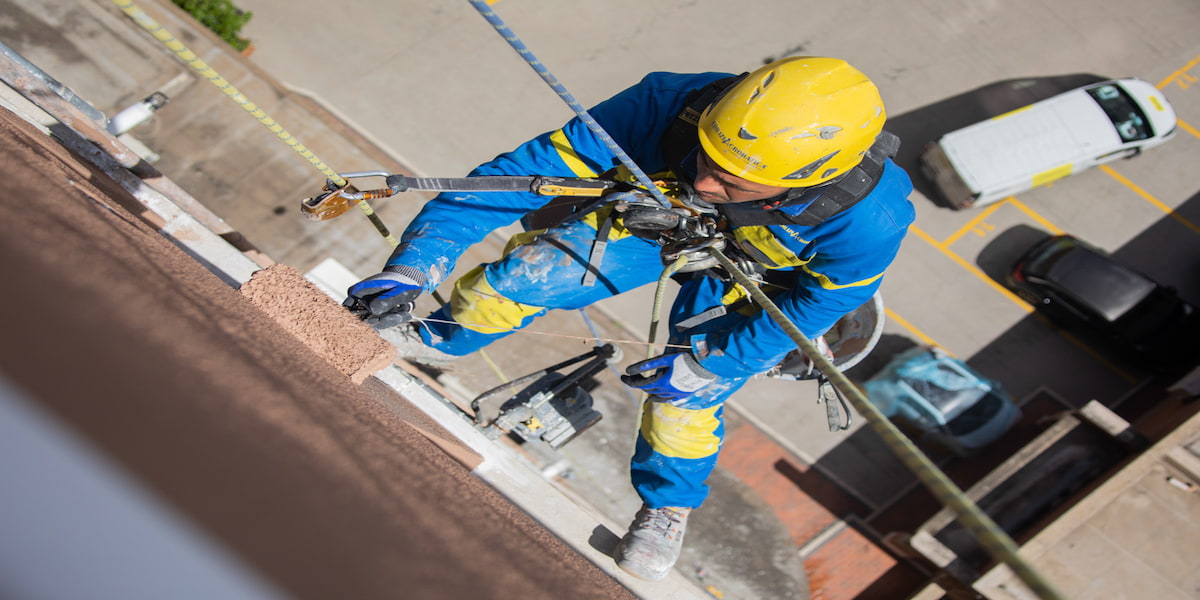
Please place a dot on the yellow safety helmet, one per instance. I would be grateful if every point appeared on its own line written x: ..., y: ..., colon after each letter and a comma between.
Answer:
x: 796, y: 122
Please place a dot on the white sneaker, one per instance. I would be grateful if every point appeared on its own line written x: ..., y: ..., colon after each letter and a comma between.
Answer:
x: 653, y: 543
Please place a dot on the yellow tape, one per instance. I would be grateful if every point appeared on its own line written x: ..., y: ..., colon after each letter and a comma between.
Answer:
x: 1051, y: 175
x: 152, y: 27
x: 679, y: 432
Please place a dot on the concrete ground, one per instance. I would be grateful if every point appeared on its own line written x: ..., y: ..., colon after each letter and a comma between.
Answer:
x: 433, y: 89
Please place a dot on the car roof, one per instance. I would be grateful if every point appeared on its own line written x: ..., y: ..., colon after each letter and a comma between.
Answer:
x: 1095, y: 280
x: 1065, y: 129
x: 1014, y: 146
x: 941, y: 384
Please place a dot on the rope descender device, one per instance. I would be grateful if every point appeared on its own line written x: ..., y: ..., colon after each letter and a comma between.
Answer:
x: 688, y: 228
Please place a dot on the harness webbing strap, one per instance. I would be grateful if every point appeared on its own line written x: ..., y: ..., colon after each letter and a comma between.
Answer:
x: 680, y: 137
x: 596, y: 256
x: 823, y: 201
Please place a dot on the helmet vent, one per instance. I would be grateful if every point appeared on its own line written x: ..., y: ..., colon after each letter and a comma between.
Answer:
x: 762, y: 87
x: 828, y: 132
x: 746, y: 135
x: 806, y: 171
x: 870, y: 122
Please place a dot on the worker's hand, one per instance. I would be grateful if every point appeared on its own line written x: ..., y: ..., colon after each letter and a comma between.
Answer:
x: 386, y: 299
x: 670, y: 377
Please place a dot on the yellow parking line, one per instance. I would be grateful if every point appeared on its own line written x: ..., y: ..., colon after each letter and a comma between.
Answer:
x: 1033, y: 215
x: 1187, y: 128
x: 1151, y: 199
x: 1181, y: 76
x: 972, y: 268
x: 909, y: 326
x: 972, y: 224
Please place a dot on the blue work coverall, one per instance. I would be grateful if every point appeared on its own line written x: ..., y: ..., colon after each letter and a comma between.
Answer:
x: 835, y: 267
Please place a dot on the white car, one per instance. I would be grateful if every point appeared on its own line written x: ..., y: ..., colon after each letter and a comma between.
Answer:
x: 1048, y: 140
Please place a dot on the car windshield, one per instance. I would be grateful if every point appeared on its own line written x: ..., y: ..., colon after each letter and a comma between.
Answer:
x: 976, y: 416
x: 948, y: 390
x: 1041, y: 263
x: 1097, y: 283
x: 1151, y: 317
x: 1124, y: 113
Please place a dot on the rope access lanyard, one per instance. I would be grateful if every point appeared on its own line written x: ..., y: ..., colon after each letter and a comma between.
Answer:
x: 989, y: 534
x: 152, y: 27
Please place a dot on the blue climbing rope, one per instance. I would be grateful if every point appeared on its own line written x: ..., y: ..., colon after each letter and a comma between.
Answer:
x: 580, y: 111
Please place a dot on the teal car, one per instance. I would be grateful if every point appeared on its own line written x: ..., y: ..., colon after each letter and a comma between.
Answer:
x: 939, y: 400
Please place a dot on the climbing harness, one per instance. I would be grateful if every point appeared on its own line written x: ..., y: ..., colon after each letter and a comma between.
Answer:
x: 819, y: 203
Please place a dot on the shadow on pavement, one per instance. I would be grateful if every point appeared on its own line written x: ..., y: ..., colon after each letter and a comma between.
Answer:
x: 1169, y: 250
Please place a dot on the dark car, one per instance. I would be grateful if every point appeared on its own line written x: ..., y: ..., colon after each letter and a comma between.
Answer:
x: 1079, y: 285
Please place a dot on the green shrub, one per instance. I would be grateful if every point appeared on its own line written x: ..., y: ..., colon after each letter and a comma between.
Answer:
x: 221, y: 16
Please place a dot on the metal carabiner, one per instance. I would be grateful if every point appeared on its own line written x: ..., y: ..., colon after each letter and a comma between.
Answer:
x: 827, y: 393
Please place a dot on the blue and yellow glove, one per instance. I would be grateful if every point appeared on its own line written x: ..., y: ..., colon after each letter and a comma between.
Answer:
x: 386, y: 299
x: 670, y: 377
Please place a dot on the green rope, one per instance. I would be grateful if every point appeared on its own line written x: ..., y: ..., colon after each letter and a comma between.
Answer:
x: 655, y: 312
x: 986, y: 531
x: 659, y: 293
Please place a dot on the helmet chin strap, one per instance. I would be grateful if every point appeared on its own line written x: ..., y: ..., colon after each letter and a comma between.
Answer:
x: 886, y: 145
x: 793, y: 195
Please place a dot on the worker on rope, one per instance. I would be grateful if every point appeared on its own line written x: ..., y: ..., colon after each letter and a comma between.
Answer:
x: 792, y: 160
